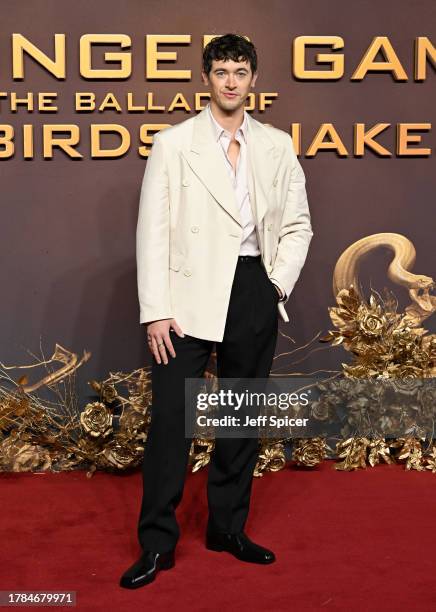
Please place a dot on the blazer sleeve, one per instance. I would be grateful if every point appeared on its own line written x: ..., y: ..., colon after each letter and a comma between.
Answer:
x: 152, y: 238
x: 280, y: 288
x: 295, y: 231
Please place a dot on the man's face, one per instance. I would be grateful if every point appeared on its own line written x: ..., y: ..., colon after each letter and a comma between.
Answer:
x: 229, y: 83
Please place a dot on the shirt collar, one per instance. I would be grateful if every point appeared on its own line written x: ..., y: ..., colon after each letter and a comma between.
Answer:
x: 218, y: 129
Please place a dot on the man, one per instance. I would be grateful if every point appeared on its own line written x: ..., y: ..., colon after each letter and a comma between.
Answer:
x: 223, y: 232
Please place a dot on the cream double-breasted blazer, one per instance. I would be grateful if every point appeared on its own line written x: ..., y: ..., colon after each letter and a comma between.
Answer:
x: 189, y: 229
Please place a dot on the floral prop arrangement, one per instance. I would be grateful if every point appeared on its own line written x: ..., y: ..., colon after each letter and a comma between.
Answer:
x: 39, y: 433
x: 386, y: 345
x: 110, y: 432
x: 54, y: 433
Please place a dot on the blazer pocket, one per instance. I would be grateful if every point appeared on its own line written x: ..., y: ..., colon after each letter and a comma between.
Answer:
x: 176, y: 260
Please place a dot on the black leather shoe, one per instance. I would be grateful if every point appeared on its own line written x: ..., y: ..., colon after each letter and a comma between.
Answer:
x: 144, y: 570
x: 240, y: 546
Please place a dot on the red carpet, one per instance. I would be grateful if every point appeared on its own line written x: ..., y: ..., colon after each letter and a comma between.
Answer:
x: 344, y: 541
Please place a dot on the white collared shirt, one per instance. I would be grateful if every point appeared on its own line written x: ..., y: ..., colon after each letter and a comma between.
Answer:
x: 249, y: 244
x: 239, y: 180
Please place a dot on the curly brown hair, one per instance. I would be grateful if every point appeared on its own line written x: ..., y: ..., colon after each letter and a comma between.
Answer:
x: 229, y: 46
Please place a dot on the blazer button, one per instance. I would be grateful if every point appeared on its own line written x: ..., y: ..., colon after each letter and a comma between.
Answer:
x: 185, y: 182
x: 187, y: 272
x: 195, y: 229
x: 269, y: 228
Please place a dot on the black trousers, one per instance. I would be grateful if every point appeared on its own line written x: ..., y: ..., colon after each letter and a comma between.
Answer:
x: 247, y: 350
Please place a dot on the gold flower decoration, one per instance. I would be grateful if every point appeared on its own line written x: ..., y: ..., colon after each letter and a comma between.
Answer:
x: 309, y: 452
x: 96, y: 420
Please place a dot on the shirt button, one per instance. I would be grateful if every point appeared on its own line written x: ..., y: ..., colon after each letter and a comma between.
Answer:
x: 269, y: 228
x: 195, y: 229
x: 275, y: 182
x: 187, y: 272
x: 185, y: 182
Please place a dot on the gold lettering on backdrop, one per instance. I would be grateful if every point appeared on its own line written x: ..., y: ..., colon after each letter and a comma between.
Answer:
x: 423, y: 48
x: 266, y: 99
x: 28, y: 141
x: 123, y: 59
x: 87, y: 101
x: 368, y: 62
x: 21, y: 45
x: 327, y: 140
x: 147, y: 138
x: 27, y: 102
x: 179, y: 102
x: 84, y: 101
x: 110, y: 103
x: 335, y: 61
x: 379, y: 56
x: 65, y: 143
x: 43, y: 105
x: 365, y: 139
x: 96, y: 149
x: 151, y: 106
x: 201, y: 99
x: 424, y: 53
x: 154, y: 56
x: 44, y: 102
x: 135, y: 108
x: 319, y: 144
x: 404, y: 138
x: 7, y: 148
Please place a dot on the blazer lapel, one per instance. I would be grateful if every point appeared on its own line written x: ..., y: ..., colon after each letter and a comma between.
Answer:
x: 206, y: 161
x: 204, y: 158
x: 263, y: 165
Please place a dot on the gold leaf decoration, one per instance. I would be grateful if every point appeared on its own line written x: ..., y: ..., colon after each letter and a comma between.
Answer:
x: 271, y: 458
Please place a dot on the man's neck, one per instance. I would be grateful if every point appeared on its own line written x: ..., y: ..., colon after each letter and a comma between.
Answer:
x: 230, y: 121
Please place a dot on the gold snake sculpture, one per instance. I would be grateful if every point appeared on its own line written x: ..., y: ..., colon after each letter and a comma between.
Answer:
x: 346, y: 273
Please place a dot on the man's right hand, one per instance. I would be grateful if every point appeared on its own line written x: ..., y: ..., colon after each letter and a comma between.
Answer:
x: 158, y: 338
